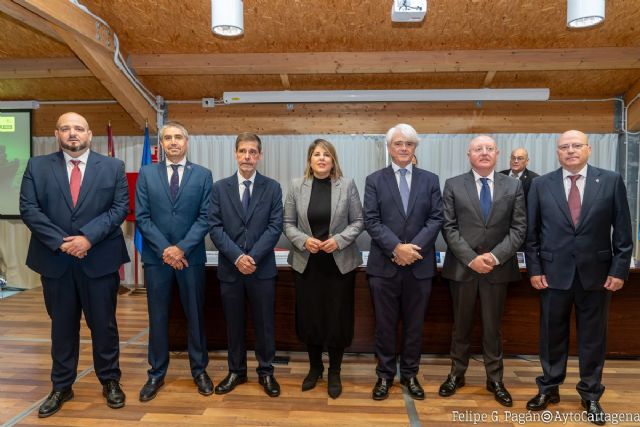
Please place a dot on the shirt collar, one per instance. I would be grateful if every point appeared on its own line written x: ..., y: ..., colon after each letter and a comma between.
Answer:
x: 583, y: 172
x: 242, y: 179
x: 477, y: 176
x: 83, y: 157
x: 396, y: 168
x: 182, y: 162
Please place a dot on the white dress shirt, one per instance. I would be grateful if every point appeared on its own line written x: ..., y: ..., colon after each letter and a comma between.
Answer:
x: 82, y: 165
x: 241, y: 187
x: 396, y: 171
x: 579, y: 182
x: 477, y: 176
x: 182, y: 163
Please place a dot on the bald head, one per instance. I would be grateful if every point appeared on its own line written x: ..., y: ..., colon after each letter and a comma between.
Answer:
x: 73, y: 134
x: 519, y: 160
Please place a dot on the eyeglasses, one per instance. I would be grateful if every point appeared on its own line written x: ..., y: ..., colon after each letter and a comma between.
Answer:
x: 518, y: 158
x: 481, y: 148
x: 408, y: 144
x: 566, y: 147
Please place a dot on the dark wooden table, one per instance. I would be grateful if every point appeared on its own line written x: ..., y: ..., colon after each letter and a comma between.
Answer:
x: 520, y: 323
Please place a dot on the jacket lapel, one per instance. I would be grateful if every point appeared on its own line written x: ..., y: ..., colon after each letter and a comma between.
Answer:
x: 415, y: 176
x: 62, y: 177
x: 592, y: 187
x: 256, y: 195
x: 234, y: 194
x: 336, y: 195
x: 390, y: 178
x: 472, y: 193
x: 305, y: 196
x: 164, y: 179
x: 186, y: 174
x: 90, y: 172
x: 558, y: 193
x: 499, y: 191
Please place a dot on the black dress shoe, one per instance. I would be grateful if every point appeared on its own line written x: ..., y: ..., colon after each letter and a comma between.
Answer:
x: 381, y: 389
x: 451, y: 384
x: 114, y: 394
x: 315, y: 373
x: 150, y: 389
x: 205, y: 386
x: 270, y: 385
x: 541, y: 400
x: 334, y: 385
x: 53, y: 402
x: 500, y: 392
x: 230, y: 382
x: 413, y: 387
x: 595, y: 413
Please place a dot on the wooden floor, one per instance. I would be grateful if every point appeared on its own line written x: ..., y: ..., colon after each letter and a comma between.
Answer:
x: 25, y: 364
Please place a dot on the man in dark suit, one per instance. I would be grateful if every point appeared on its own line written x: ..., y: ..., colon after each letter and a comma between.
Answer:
x: 245, y: 223
x: 74, y: 202
x: 403, y: 215
x: 484, y: 225
x: 578, y: 252
x: 172, y: 198
x: 519, y: 162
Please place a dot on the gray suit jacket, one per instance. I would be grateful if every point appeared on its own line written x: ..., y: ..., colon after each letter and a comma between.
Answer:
x: 467, y: 235
x: 346, y: 222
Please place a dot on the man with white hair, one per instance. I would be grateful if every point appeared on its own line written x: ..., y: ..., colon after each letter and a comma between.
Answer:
x: 403, y: 216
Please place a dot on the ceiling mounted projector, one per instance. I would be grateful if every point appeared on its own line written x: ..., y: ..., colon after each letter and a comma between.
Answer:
x: 408, y: 10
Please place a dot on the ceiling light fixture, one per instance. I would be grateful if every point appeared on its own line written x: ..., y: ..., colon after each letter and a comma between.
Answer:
x: 584, y: 13
x: 227, y: 18
x: 406, y: 95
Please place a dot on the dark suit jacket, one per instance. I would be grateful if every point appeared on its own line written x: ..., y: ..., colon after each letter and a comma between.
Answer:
x: 255, y: 234
x: 47, y: 209
x: 388, y: 225
x: 601, y: 244
x: 467, y: 235
x: 526, y: 178
x: 163, y: 222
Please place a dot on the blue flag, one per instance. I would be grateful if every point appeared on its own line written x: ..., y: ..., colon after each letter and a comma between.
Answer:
x: 146, y: 160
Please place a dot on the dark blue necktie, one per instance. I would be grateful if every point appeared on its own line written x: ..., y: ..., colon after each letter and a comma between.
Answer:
x: 404, y: 189
x: 246, y: 196
x: 174, y: 184
x: 485, y: 198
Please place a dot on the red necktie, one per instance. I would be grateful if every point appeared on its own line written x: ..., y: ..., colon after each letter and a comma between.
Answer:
x: 74, y: 182
x: 574, y: 199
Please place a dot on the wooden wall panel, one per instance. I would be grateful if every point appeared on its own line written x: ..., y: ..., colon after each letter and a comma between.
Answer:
x: 352, y: 118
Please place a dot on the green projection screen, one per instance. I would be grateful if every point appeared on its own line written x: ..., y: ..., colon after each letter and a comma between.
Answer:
x: 15, y: 150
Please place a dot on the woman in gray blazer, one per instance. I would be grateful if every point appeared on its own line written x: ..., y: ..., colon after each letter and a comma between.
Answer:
x: 322, y: 219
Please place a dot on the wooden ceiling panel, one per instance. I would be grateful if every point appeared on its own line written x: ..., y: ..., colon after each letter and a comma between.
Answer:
x: 153, y: 26
x: 565, y: 84
x: 20, y: 41
x: 196, y: 87
x: 61, y: 89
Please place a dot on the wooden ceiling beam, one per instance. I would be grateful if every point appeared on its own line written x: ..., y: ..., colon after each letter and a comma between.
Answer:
x: 42, y: 68
x: 489, y: 78
x: 101, y: 64
x: 633, y: 114
x: 28, y: 18
x: 388, y: 62
x: 65, y: 15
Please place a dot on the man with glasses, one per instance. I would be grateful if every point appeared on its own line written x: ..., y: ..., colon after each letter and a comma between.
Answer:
x: 403, y: 216
x: 74, y: 201
x: 519, y: 162
x: 172, y: 198
x: 484, y: 225
x: 245, y: 223
x: 578, y: 251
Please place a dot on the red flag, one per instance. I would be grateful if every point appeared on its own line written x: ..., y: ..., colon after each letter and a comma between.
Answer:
x: 111, y: 151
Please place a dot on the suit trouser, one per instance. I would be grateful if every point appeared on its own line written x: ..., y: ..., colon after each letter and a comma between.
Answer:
x: 66, y: 298
x: 160, y: 280
x: 401, y: 296
x: 261, y: 296
x: 492, y: 299
x: 592, y: 312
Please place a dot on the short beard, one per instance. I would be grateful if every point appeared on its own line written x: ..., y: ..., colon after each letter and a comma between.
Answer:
x: 74, y: 148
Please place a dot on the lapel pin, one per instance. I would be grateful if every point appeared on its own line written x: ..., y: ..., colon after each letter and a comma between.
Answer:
x: 597, y: 179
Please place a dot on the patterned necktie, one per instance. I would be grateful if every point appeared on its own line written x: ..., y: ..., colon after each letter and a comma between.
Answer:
x: 514, y: 175
x: 75, y: 181
x: 174, y: 184
x: 404, y: 189
x: 574, y: 199
x: 485, y: 198
x: 246, y: 196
